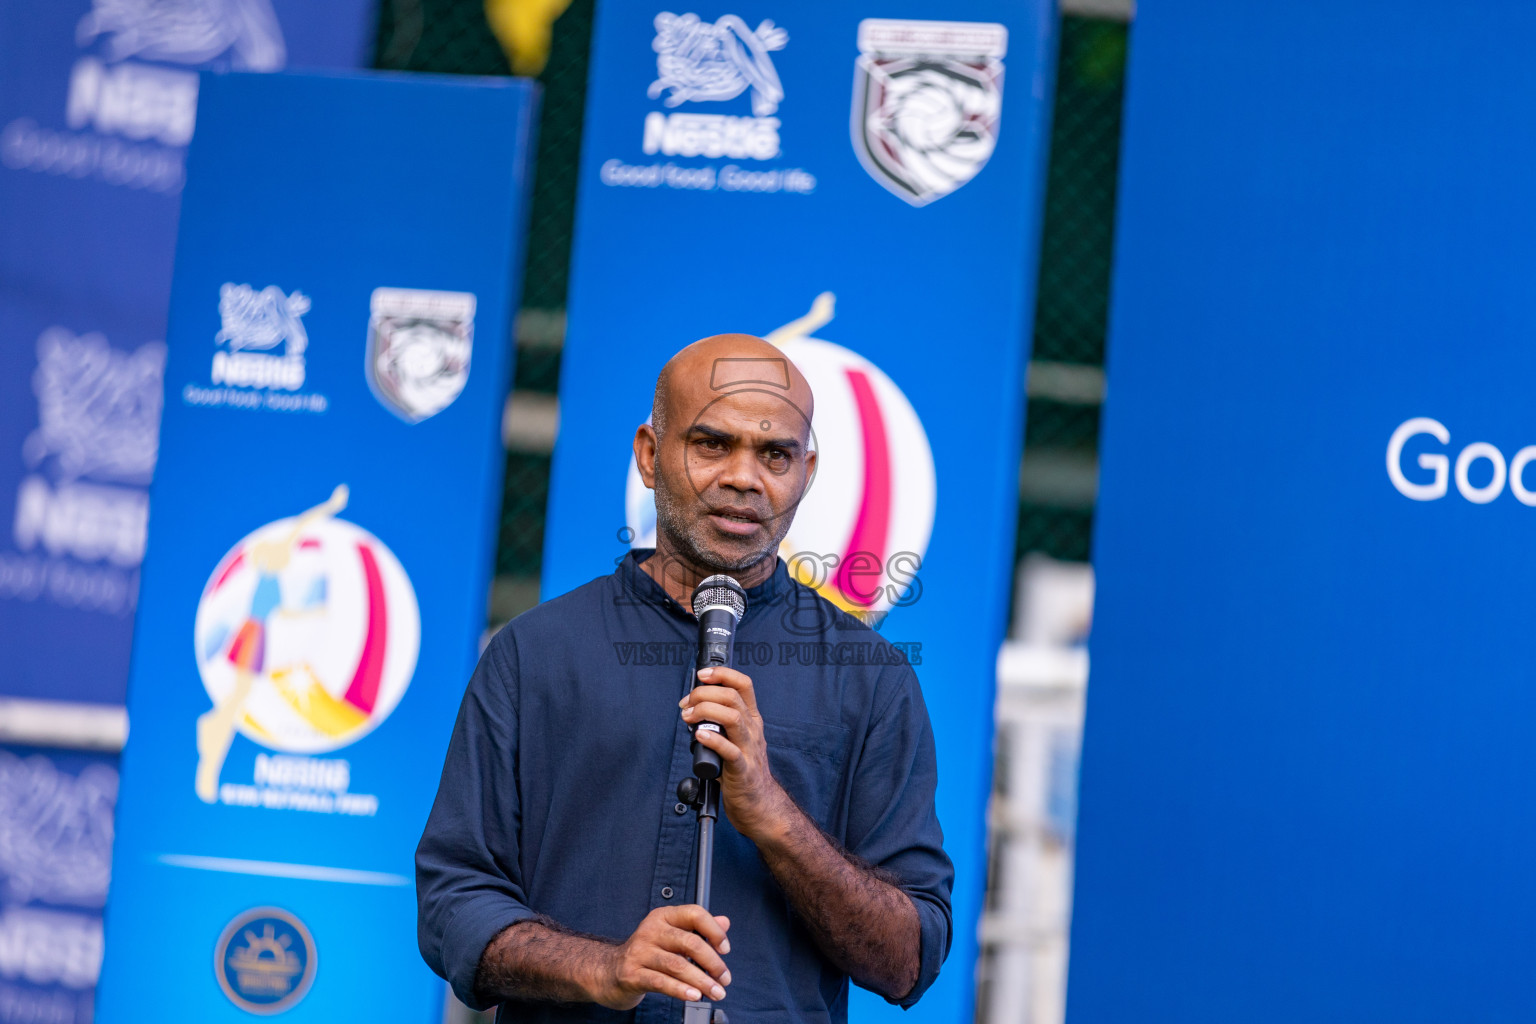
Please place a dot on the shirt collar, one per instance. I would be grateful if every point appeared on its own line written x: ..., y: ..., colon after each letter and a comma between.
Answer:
x: 637, y: 581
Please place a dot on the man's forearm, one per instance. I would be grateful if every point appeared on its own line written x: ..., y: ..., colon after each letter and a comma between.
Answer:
x: 863, y: 923
x: 539, y: 960
x: 675, y: 951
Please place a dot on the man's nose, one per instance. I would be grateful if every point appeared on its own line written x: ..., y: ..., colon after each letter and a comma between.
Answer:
x: 741, y: 472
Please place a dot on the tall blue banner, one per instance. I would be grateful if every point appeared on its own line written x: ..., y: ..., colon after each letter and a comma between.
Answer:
x: 861, y: 184
x: 98, y: 100
x: 320, y: 553
x: 1307, y: 764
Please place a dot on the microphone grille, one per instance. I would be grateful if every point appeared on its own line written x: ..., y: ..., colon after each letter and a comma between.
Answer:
x: 720, y: 590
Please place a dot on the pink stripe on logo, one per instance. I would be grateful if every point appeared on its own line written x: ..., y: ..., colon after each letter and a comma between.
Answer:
x: 364, y: 691
x: 228, y: 571
x: 872, y: 527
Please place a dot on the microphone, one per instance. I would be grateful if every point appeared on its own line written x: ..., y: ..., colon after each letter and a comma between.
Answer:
x: 719, y: 602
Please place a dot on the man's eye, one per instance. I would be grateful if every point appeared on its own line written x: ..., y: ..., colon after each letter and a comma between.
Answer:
x: 711, y: 444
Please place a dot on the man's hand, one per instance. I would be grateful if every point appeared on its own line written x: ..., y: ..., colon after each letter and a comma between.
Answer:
x: 860, y: 918
x: 668, y: 954
x: 539, y: 959
x: 754, y: 801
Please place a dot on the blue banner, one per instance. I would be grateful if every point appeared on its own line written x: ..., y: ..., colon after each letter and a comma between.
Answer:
x: 55, y: 859
x: 1306, y: 773
x: 320, y: 554
x: 862, y: 186
x: 97, y: 104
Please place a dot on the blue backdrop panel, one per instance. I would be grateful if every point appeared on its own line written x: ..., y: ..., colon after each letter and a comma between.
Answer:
x: 55, y: 858
x: 321, y: 547
x: 738, y: 163
x: 97, y: 104
x: 1306, y: 783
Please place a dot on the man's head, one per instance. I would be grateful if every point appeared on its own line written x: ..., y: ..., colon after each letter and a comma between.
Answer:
x: 727, y: 451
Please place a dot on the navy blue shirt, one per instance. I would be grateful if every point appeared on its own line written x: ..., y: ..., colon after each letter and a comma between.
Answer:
x: 558, y: 795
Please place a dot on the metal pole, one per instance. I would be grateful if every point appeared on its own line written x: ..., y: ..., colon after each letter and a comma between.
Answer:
x: 709, y: 810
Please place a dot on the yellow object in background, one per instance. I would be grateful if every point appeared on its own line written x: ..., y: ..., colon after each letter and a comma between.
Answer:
x: 524, y: 28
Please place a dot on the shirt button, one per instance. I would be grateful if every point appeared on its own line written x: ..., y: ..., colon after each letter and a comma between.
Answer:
x: 666, y: 892
x: 679, y: 808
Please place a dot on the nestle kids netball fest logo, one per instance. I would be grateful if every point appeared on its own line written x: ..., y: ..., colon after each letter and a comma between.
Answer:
x: 860, y: 532
x: 306, y: 639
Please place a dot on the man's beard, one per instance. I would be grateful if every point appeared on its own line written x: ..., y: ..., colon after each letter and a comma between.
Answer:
x: 672, y: 519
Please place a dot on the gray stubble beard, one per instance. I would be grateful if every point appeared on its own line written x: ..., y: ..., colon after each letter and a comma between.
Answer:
x: 672, y: 520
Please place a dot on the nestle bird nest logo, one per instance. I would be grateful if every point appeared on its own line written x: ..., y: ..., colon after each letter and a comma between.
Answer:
x: 265, y: 960
x: 244, y: 33
x: 83, y: 498
x: 261, y: 345
x: 130, y: 99
x: 729, y: 67
x: 258, y: 322
x: 699, y: 61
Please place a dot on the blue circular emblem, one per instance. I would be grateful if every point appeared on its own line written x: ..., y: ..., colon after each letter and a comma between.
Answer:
x: 265, y: 960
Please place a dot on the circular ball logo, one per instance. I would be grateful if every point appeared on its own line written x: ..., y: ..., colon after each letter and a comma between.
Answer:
x: 265, y: 960
x: 307, y: 635
x: 874, y: 492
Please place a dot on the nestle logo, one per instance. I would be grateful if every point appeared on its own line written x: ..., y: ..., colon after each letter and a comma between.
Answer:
x: 711, y: 135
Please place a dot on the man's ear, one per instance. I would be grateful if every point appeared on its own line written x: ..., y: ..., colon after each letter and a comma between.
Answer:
x: 645, y: 454
x: 810, y: 470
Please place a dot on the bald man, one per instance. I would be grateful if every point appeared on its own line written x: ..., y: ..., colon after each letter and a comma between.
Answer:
x: 554, y: 874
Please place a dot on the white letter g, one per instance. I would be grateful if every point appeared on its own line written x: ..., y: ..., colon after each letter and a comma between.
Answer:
x: 1439, y: 464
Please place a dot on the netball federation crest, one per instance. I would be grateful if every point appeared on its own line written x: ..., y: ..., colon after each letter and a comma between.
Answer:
x: 419, y: 345
x: 306, y: 638
x: 927, y: 101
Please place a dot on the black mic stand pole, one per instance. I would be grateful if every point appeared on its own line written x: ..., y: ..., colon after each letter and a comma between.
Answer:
x: 703, y: 794
x: 702, y: 788
x: 709, y: 812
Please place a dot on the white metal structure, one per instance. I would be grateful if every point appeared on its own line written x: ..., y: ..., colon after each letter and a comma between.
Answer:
x: 1041, y: 681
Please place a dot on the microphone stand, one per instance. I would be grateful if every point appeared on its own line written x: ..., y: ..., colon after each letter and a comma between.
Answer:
x: 704, y: 796
x: 719, y: 602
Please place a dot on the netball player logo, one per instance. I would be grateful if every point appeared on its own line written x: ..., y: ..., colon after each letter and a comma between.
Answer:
x: 860, y: 532
x: 306, y: 634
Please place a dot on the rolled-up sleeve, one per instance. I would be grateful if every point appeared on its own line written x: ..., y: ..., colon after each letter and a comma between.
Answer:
x: 892, y: 822
x: 469, y: 886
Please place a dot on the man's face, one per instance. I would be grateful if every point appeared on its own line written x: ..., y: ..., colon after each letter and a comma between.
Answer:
x: 729, y: 472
